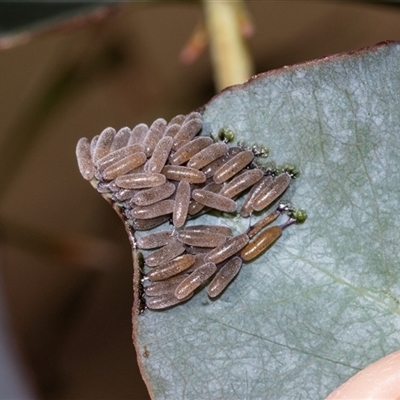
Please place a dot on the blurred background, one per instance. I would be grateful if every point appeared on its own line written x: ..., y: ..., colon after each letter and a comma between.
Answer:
x: 66, y: 274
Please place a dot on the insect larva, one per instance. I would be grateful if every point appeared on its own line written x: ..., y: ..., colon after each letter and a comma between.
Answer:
x: 197, y: 250
x: 224, y: 276
x: 124, y: 194
x: 103, y: 144
x: 187, y: 132
x: 264, y: 240
x: 167, y: 286
x: 214, y: 200
x: 208, y: 155
x: 154, y: 135
x: 232, y: 246
x: 223, y: 230
x: 189, y: 150
x: 201, y: 239
x: 199, y: 261
x: 121, y: 139
x: 85, y: 163
x: 192, y: 115
x: 171, y: 268
x: 247, y: 207
x: 173, y: 249
x: 138, y: 134
x: 181, y: 173
x: 113, y: 187
x: 121, y: 167
x: 194, y: 280
x: 163, y: 207
x: 117, y: 155
x: 154, y: 240
x: 153, y: 195
x: 160, y: 155
x: 194, y: 206
x: 103, y: 187
x: 93, y: 145
x: 172, y: 130
x: 241, y: 182
x: 140, y: 180
x: 178, y: 119
x: 233, y: 166
x: 164, y: 301
x: 270, y: 193
x: 254, y: 229
x: 147, y: 224
x: 211, y: 168
x: 182, y: 199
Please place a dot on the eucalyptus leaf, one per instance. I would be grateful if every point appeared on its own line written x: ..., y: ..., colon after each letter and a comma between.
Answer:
x: 323, y: 302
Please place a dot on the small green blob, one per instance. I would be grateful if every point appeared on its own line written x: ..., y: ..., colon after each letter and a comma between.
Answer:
x: 289, y: 169
x: 226, y: 135
x: 298, y: 214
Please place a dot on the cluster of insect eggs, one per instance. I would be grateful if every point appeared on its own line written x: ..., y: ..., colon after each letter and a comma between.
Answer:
x: 167, y: 171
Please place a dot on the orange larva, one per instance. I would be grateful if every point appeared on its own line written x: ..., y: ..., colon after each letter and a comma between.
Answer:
x: 154, y: 240
x: 163, y: 207
x: 138, y: 134
x: 211, y: 168
x: 121, y: 139
x: 153, y: 195
x: 164, y: 301
x: 85, y: 162
x: 121, y: 167
x: 147, y: 224
x: 182, y: 173
x: 154, y: 135
x: 233, y: 166
x: 167, y: 286
x: 224, y: 276
x: 115, y: 156
x: 247, y: 207
x: 160, y: 155
x: 104, y: 143
x: 171, y: 268
x: 208, y: 155
x: 241, y: 182
x: 270, y: 193
x: 173, y: 249
x: 194, y: 280
x: 264, y: 240
x: 182, y: 199
x: 140, y: 180
x: 189, y: 150
x: 214, y: 200
x: 223, y: 230
x: 187, y: 132
x: 194, y: 206
x: 201, y: 239
x: 232, y: 246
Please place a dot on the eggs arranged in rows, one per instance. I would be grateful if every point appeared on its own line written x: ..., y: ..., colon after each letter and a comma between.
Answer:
x: 169, y: 172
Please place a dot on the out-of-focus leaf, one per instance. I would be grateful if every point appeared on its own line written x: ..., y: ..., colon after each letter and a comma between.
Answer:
x: 20, y: 21
x: 324, y: 301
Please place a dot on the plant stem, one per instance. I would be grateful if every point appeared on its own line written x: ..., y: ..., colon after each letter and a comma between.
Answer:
x: 230, y: 56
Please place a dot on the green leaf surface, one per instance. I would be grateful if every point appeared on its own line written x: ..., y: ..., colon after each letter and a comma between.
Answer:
x: 323, y: 302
